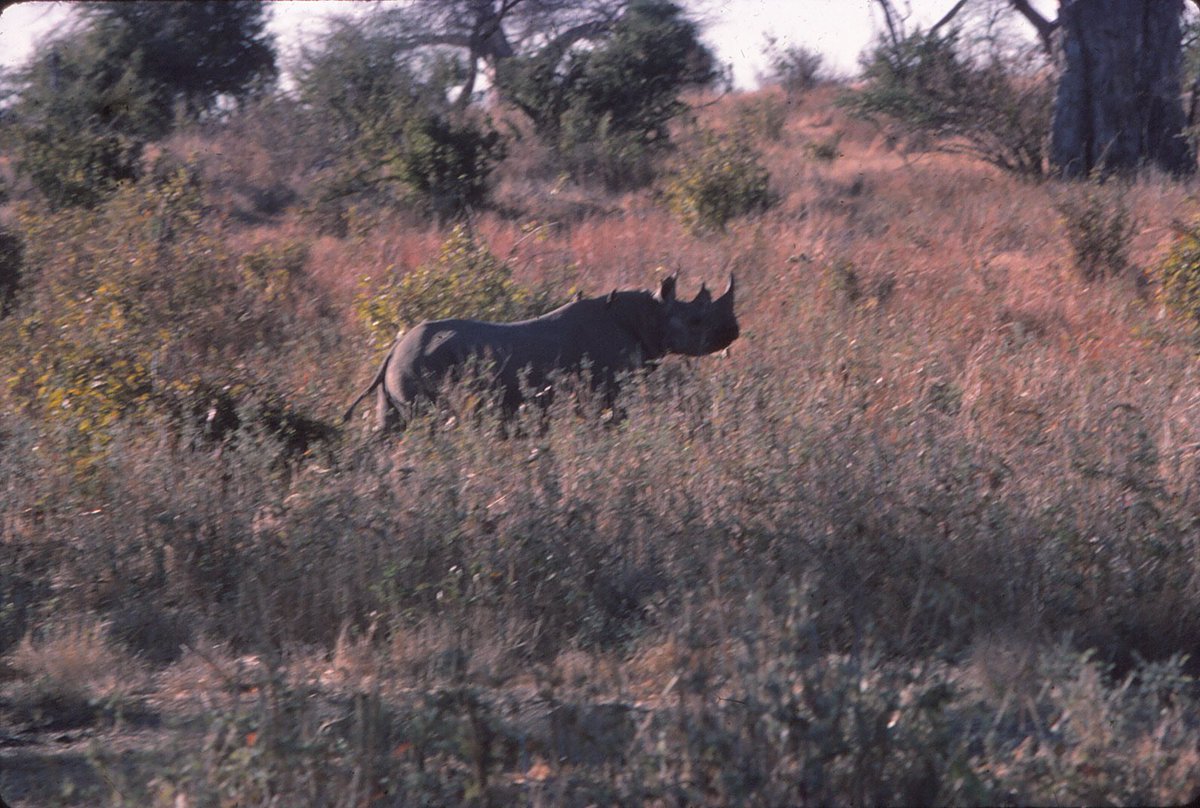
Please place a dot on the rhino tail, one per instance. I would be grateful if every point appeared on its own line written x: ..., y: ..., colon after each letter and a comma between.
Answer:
x: 378, y: 380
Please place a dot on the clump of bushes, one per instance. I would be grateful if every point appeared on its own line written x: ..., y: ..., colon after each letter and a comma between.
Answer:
x: 12, y: 261
x: 929, y: 86
x: 606, y: 110
x: 795, y: 68
x: 390, y: 131
x: 465, y: 280
x: 723, y: 180
x: 1099, y: 228
x: 119, y: 288
x: 272, y: 270
x: 448, y: 163
x: 592, y: 147
x: 824, y: 151
x: 438, y: 164
x: 1179, y: 274
x: 135, y: 308
x: 762, y: 116
x: 79, y: 168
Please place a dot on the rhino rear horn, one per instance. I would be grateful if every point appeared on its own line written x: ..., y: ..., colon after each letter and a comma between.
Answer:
x: 704, y: 296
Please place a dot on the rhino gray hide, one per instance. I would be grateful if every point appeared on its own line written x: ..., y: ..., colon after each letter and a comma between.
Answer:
x: 610, y: 335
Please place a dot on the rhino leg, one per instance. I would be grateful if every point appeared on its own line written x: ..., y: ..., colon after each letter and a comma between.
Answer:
x: 386, y: 413
x: 376, y: 384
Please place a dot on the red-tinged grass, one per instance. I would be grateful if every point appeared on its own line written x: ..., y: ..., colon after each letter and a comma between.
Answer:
x: 925, y: 534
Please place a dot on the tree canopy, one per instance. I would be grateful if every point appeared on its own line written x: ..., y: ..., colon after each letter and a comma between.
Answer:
x: 193, y: 52
x: 92, y: 96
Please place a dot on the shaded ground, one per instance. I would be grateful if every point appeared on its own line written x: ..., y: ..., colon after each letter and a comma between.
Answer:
x: 155, y: 748
x: 72, y: 755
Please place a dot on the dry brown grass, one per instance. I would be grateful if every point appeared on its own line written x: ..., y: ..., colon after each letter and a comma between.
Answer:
x: 77, y: 658
x: 926, y: 534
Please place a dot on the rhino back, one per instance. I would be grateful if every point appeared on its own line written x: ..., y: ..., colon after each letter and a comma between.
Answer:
x: 589, y: 329
x: 558, y: 340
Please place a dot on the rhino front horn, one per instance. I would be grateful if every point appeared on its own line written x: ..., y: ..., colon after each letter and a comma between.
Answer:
x: 729, y: 289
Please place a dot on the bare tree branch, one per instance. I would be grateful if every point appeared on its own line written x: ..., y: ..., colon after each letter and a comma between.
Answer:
x: 889, y: 15
x: 425, y: 40
x: 951, y: 14
x: 1045, y: 28
x: 588, y: 30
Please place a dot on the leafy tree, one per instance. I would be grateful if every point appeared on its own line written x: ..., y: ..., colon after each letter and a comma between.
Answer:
x: 357, y: 79
x: 192, y: 53
x: 91, y: 99
x: 1118, y: 84
x: 623, y: 91
x: 447, y: 160
x: 483, y: 34
x: 598, y: 78
x: 384, y: 113
x: 81, y: 122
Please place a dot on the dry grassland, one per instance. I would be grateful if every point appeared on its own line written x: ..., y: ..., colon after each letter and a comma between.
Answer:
x: 927, y: 534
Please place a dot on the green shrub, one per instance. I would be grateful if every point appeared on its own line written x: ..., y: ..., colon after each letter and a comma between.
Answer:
x: 78, y: 168
x: 272, y: 269
x: 794, y: 68
x: 448, y: 163
x: 12, y: 261
x: 466, y: 280
x: 389, y: 130
x: 762, y: 116
x: 1179, y: 274
x: 844, y: 280
x: 725, y: 179
x: 825, y: 151
x: 989, y: 105
x: 590, y: 147
x: 606, y: 110
x: 1099, y: 228
x: 137, y: 310
x: 116, y: 289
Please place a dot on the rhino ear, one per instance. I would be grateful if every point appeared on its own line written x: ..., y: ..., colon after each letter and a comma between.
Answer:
x: 612, y: 296
x: 666, y: 292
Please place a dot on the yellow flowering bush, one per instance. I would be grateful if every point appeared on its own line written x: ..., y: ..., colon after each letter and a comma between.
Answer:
x: 725, y: 179
x: 465, y: 280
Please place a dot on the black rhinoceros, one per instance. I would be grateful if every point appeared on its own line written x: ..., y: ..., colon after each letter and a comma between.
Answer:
x: 610, y: 335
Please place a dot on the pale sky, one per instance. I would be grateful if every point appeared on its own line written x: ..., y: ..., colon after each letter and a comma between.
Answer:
x: 839, y: 29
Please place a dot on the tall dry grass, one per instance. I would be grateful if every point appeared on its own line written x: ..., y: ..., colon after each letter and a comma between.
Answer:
x: 926, y: 534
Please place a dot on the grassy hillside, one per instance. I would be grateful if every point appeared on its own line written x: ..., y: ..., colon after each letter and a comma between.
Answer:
x: 927, y: 533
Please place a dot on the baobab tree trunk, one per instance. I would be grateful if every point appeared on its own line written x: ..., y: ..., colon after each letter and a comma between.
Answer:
x: 1119, y: 104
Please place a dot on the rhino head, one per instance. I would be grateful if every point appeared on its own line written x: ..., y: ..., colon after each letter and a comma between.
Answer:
x: 702, y: 326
